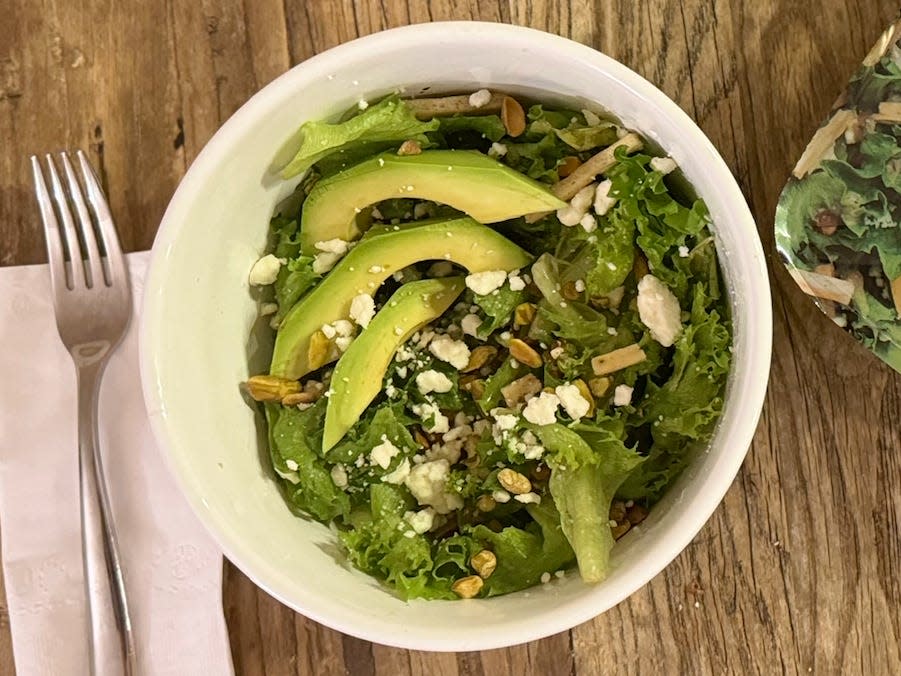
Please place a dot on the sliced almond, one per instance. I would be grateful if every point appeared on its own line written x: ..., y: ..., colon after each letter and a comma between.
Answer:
x: 821, y: 286
x: 825, y: 269
x: 889, y: 111
x: 446, y: 106
x: 585, y: 173
x: 524, y: 353
x: 409, y: 147
x: 270, y: 388
x: 513, y: 116
x: 619, y: 359
x: 516, y: 392
x: 885, y: 42
x: 468, y: 587
x: 568, y: 166
x: 822, y: 142
x: 513, y: 481
x: 484, y: 563
x: 479, y: 357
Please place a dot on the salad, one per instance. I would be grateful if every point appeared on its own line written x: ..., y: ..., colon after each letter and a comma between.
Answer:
x: 500, y: 335
x: 837, y: 223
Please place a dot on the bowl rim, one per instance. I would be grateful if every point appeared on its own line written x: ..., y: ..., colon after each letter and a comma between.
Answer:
x: 711, y: 488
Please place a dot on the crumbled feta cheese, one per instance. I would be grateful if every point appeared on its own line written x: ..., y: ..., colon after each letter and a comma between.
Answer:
x: 683, y: 251
x: 267, y: 309
x: 556, y: 352
x: 504, y: 421
x: 458, y: 431
x: 545, y: 578
x: 383, y: 454
x: 440, y: 269
x: 421, y: 521
x: 335, y: 246
x: 603, y: 202
x: 431, y: 411
x: 664, y: 165
x: 579, y: 285
x: 530, y: 498
x: 622, y: 395
x: 659, y: 310
x: 343, y: 342
x: 428, y: 482
x: 588, y: 223
x: 572, y: 214
x: 324, y: 262
x: 292, y: 465
x: 470, y: 325
x: 376, y: 269
x: 572, y: 401
x: 265, y: 270
x: 362, y: 104
x: 339, y: 476
x: 343, y: 327
x: 529, y: 446
x: 290, y: 476
x: 400, y: 473
x: 612, y: 331
x: 500, y: 495
x: 454, y: 352
x: 328, y: 331
x: 449, y: 451
x: 517, y: 283
x: 483, y: 283
x: 497, y: 150
x: 480, y: 98
x: 362, y: 309
x: 390, y: 391
x: 541, y: 410
x: 433, y: 381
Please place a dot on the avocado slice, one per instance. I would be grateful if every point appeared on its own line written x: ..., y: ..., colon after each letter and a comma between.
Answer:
x: 359, y: 373
x: 466, y: 180
x: 383, y: 251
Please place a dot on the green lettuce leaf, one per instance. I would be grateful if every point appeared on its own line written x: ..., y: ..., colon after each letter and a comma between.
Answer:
x: 525, y: 554
x: 293, y: 437
x: 584, y: 480
x: 389, y: 120
x: 498, y: 308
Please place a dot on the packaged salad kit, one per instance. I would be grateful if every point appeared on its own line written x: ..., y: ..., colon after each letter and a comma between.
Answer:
x: 838, y: 222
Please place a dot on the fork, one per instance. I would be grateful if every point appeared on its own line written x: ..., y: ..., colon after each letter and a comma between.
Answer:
x: 92, y: 303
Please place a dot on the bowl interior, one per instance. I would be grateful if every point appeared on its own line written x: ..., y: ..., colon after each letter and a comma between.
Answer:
x: 199, y: 311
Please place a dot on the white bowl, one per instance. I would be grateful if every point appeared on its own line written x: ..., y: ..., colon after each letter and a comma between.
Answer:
x: 198, y: 311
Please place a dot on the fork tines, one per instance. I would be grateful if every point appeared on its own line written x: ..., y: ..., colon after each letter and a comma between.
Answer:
x: 86, y: 247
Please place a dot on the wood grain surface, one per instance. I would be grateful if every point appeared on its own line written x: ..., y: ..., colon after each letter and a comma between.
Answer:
x: 799, y: 571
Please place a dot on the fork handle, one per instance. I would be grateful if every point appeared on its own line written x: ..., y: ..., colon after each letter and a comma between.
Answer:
x: 112, y: 649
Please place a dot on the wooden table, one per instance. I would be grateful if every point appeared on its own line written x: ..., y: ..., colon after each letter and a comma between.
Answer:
x: 800, y: 568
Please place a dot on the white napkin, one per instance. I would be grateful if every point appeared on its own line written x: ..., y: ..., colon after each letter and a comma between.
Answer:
x: 173, y: 569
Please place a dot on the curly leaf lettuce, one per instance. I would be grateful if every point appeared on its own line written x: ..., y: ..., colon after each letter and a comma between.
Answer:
x: 584, y: 480
x: 389, y: 120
